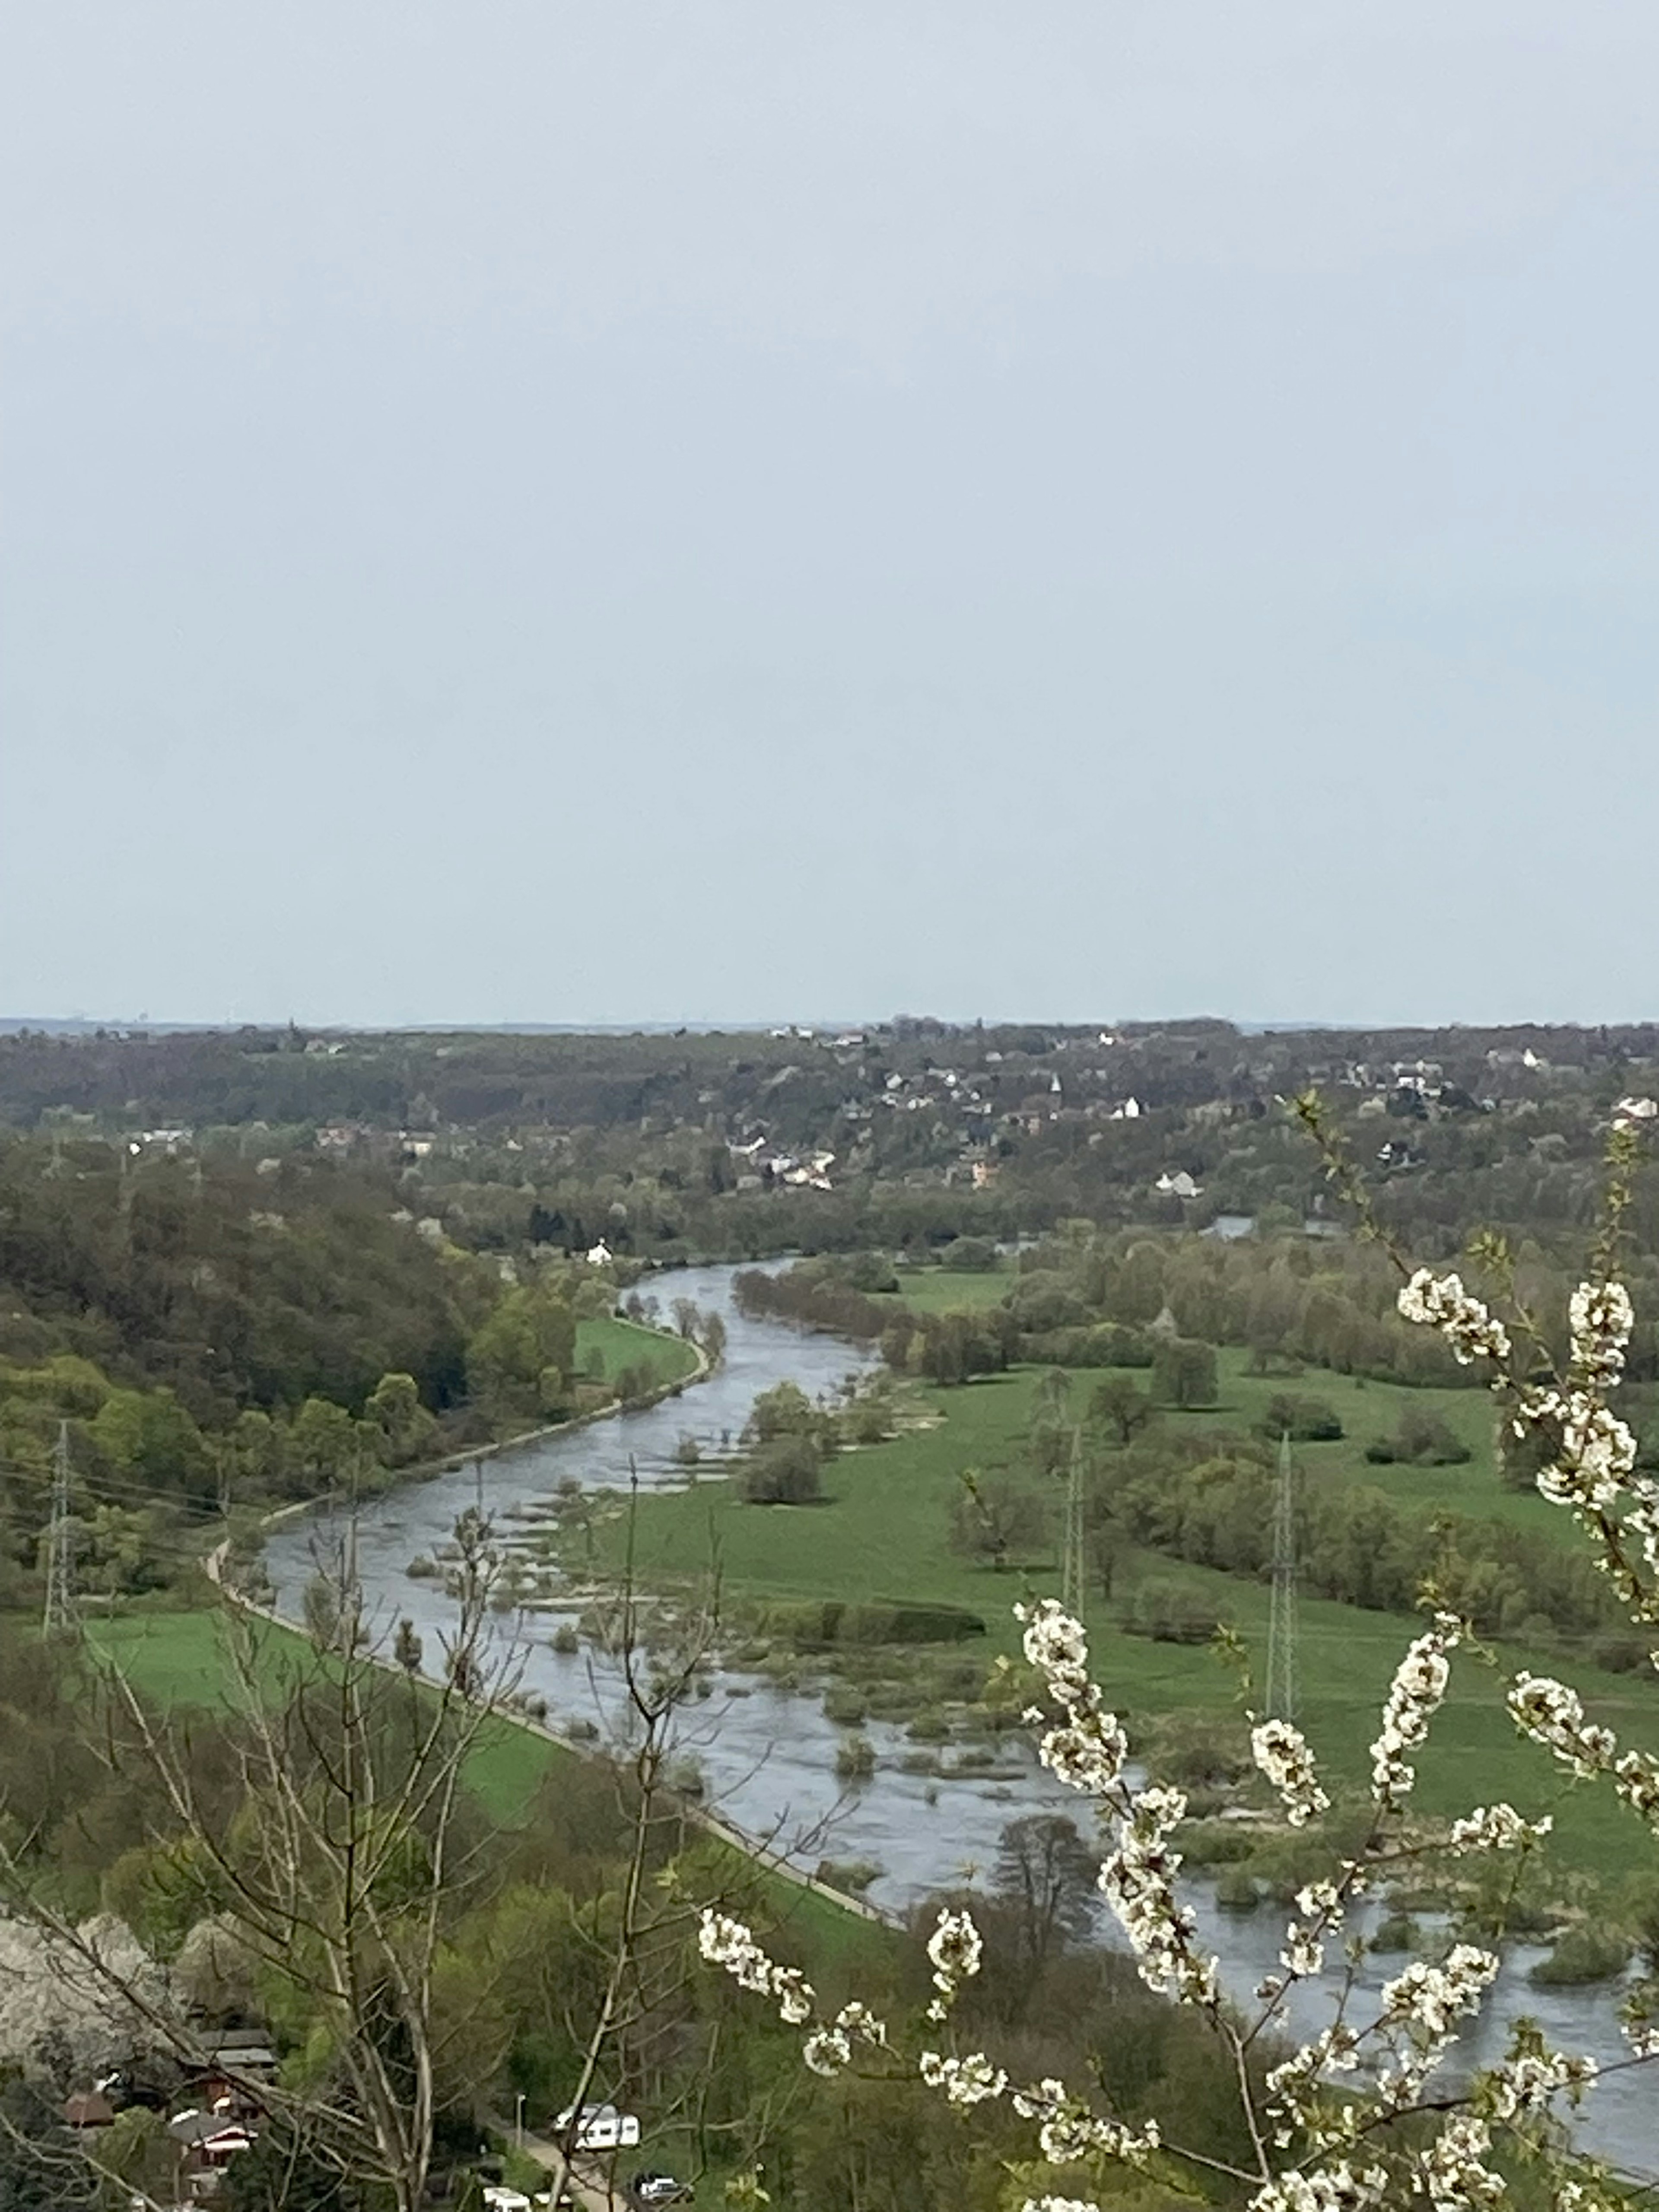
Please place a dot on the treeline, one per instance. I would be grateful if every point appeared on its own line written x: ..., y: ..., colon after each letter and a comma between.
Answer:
x: 1209, y: 1500
x: 935, y: 1347
x: 206, y: 1334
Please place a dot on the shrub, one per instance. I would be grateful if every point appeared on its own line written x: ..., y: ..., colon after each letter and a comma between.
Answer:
x: 853, y: 1875
x: 1305, y: 1420
x: 855, y: 1758
x: 785, y: 1471
x: 1422, y: 1439
x: 1236, y: 1890
x: 1587, y: 1952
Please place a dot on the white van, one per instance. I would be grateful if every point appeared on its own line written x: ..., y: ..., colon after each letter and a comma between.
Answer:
x: 601, y: 2127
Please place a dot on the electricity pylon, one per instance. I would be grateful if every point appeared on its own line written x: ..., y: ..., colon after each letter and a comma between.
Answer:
x: 1281, y: 1615
x: 60, y: 1615
x: 1071, y: 1550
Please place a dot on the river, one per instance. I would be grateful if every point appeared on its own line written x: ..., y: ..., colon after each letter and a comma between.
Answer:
x: 768, y: 1758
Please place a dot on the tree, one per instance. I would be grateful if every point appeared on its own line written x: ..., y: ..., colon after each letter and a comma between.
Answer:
x: 786, y: 1470
x: 150, y: 1438
x: 1119, y: 1405
x: 686, y: 1318
x: 714, y: 1338
x: 995, y: 1520
x: 1184, y: 1372
x: 394, y: 1407
x: 520, y: 1360
x: 1045, y: 1875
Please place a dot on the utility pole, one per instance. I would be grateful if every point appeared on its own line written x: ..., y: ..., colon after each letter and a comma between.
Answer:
x: 1071, y: 1552
x: 1281, y: 1615
x: 60, y: 1615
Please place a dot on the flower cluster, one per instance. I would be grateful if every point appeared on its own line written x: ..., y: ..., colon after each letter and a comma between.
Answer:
x: 829, y: 2051
x: 1451, y: 2173
x: 1601, y: 1318
x: 954, y: 1950
x: 970, y: 2081
x: 1528, y: 2078
x: 1441, y: 1302
x: 1495, y: 1828
x: 1414, y: 1698
x: 1421, y: 2010
x: 726, y: 1942
x: 1088, y: 1749
x: 1552, y: 1715
x: 1596, y: 1451
x: 1281, y: 1752
x: 1070, y: 2132
x: 1341, y: 2188
x: 1138, y: 1882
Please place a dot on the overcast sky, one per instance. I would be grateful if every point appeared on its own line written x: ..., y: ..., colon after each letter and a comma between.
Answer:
x: 606, y: 512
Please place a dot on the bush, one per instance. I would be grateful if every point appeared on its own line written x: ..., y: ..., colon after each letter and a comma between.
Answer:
x: 1422, y: 1439
x: 853, y: 1875
x: 787, y: 1471
x: 1169, y: 1615
x: 855, y: 1758
x: 1305, y: 1420
x: 1397, y: 1931
x: 1236, y: 1890
x: 1588, y: 1953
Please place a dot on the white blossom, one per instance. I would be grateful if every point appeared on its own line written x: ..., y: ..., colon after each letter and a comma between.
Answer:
x: 1600, y: 1318
x: 970, y: 2081
x: 1441, y: 1302
x: 1281, y: 1752
x: 1088, y: 1749
x: 726, y: 1942
x: 1414, y: 1697
x: 955, y: 1950
x: 1451, y: 2174
x: 1495, y: 1828
x: 1341, y: 2188
x: 1552, y: 1715
x: 827, y: 2051
x: 1138, y: 1882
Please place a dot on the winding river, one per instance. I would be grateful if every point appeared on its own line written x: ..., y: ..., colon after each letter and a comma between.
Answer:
x: 768, y: 1758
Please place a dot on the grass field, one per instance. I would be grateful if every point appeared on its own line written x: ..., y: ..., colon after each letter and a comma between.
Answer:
x: 622, y: 1344
x: 938, y: 1290
x: 882, y: 1534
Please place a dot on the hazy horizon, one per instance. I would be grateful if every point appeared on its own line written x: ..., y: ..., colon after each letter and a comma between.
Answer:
x: 609, y: 515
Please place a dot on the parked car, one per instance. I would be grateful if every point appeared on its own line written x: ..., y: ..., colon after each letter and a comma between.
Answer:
x: 601, y: 2127
x: 505, y: 2200
x: 657, y: 2189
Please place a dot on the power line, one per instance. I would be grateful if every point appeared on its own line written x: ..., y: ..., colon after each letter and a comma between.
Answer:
x: 1281, y: 1614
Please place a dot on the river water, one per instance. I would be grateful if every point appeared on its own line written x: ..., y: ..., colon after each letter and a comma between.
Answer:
x: 768, y: 1758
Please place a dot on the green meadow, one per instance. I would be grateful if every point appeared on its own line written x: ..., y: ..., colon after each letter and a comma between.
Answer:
x: 882, y: 1532
x: 623, y: 1344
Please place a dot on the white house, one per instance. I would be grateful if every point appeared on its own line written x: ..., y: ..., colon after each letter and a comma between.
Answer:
x: 599, y: 1255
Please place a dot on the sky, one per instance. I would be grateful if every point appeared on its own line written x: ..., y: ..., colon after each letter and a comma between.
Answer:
x: 514, y: 511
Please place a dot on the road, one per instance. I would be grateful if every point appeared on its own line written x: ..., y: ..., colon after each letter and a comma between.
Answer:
x: 588, y: 2183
